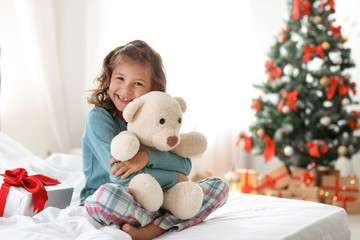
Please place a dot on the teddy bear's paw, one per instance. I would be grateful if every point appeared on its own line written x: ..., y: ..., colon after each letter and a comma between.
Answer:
x: 124, y: 146
x: 184, y: 200
x: 146, y: 191
x: 192, y: 144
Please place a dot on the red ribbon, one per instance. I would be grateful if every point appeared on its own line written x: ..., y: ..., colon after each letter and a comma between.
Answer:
x: 336, y: 31
x: 337, y: 188
x: 308, y: 51
x: 291, y: 100
x: 344, y: 200
x: 314, y: 148
x: 307, y: 178
x: 269, y: 152
x: 270, y: 182
x: 273, y: 71
x: 343, y: 89
x: 298, y: 5
x: 246, y: 188
x: 352, y: 121
x: 333, y: 85
x: 330, y: 2
x: 247, y: 143
x: 33, y: 184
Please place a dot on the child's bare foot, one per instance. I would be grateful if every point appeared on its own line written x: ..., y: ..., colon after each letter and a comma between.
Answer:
x: 143, y: 233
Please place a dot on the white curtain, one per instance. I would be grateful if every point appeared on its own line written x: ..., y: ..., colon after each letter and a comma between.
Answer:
x: 213, y: 51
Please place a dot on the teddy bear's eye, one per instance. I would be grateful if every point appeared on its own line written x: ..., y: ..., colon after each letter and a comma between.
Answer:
x: 162, y: 121
x: 179, y: 120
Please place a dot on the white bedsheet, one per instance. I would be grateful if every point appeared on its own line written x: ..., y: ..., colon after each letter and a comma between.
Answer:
x: 244, y: 216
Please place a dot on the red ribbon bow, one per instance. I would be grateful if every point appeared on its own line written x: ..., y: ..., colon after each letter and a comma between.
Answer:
x: 308, y: 51
x: 269, y: 152
x: 273, y: 71
x: 247, y: 143
x: 298, y: 5
x: 33, y: 184
x: 307, y: 177
x: 314, y: 148
x: 336, y: 31
x: 331, y: 3
x: 352, y: 121
x: 333, y: 85
x: 291, y: 99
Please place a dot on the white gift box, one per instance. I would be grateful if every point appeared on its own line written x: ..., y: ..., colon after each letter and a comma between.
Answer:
x: 20, y: 202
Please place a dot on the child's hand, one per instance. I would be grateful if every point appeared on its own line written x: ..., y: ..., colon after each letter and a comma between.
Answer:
x: 181, y: 177
x: 135, y: 164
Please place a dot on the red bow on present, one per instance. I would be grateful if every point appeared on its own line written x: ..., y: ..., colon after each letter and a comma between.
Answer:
x: 308, y: 51
x: 297, y: 9
x: 247, y: 143
x: 291, y: 100
x: 33, y: 184
x: 273, y: 71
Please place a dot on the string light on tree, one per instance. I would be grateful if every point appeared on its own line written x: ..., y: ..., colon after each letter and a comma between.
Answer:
x: 325, y: 121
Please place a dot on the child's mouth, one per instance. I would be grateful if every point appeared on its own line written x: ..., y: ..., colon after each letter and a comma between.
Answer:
x: 124, y: 100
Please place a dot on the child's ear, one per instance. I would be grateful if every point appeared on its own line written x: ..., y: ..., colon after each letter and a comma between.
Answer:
x: 129, y: 113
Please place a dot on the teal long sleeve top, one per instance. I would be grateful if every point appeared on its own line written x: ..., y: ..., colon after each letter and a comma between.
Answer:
x: 100, y: 129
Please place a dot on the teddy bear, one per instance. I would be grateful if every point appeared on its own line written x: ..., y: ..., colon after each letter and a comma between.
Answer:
x: 153, y: 122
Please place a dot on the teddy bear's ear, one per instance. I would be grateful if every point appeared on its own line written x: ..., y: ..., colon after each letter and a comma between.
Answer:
x: 132, y: 109
x: 182, y: 103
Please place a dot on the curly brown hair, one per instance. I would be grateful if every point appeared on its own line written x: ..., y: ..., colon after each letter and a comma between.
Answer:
x: 137, y: 51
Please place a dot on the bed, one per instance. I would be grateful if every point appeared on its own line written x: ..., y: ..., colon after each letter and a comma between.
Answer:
x: 244, y: 216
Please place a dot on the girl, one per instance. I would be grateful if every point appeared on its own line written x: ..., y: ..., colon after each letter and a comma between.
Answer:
x: 129, y: 72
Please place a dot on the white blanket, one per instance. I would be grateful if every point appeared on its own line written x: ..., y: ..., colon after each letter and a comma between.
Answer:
x: 244, y: 216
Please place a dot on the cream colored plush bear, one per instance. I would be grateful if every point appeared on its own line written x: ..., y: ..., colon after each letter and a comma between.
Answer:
x: 154, y: 122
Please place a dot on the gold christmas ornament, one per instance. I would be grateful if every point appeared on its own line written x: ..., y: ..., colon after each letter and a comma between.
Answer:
x: 317, y: 20
x: 324, y: 81
x: 325, y: 121
x: 345, y: 101
x: 288, y: 151
x: 260, y: 132
x: 342, y: 150
x: 286, y: 109
x: 325, y: 45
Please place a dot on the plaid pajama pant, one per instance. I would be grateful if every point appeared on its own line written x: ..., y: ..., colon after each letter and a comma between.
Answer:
x: 113, y: 204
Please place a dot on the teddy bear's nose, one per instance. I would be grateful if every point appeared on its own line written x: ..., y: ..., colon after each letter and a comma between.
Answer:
x: 171, y: 141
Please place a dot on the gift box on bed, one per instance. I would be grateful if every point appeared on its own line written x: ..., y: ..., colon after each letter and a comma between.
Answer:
x: 335, y: 186
x: 303, y: 177
x: 278, y: 178
x: 19, y: 201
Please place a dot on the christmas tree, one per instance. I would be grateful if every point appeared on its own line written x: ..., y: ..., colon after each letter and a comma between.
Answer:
x: 303, y: 115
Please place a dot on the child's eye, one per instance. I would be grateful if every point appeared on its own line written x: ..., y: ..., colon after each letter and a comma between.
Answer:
x: 138, y: 84
x: 120, y: 78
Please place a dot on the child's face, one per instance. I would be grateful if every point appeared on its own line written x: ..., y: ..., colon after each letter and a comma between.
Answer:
x: 129, y: 80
